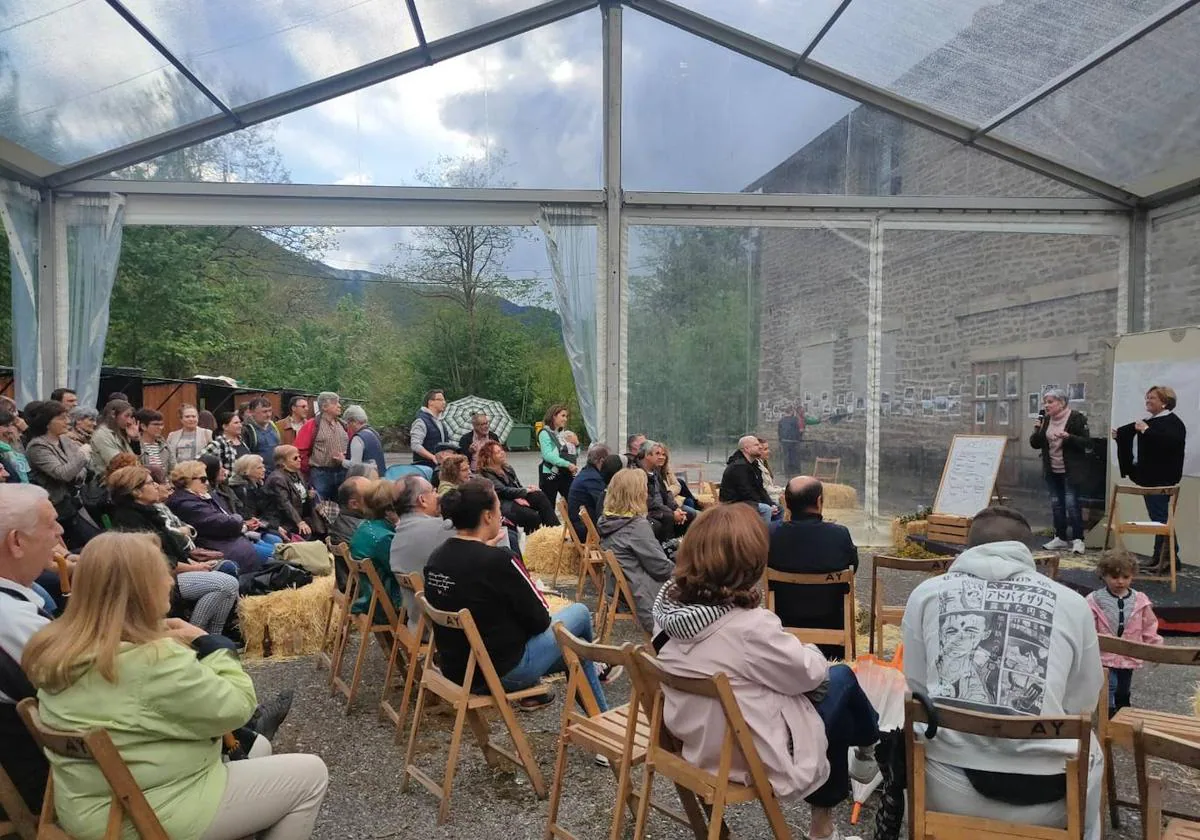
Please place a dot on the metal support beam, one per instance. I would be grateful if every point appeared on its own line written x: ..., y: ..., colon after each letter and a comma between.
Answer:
x: 23, y: 166
x: 824, y: 30
x: 50, y: 286
x: 322, y: 90
x: 613, y: 374
x: 818, y: 74
x: 1135, y: 273
x: 874, y: 372
x: 1180, y: 192
x: 1167, y: 13
x: 873, y: 203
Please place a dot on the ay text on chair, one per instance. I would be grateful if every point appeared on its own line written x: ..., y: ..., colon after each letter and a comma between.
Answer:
x: 847, y: 636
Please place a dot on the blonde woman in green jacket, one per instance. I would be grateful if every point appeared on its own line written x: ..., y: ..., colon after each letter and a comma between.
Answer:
x: 166, y: 692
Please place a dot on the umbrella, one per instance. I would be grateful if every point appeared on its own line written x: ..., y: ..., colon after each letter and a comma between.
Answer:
x: 457, y: 416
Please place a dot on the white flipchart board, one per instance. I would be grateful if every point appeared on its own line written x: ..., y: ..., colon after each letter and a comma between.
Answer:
x: 969, y: 476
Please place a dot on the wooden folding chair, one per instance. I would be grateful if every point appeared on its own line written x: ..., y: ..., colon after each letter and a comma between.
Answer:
x: 367, y: 625
x: 1118, y: 731
x: 337, y: 613
x: 570, y: 541
x: 621, y: 734
x: 1147, y: 527
x: 846, y: 637
x: 128, y: 801
x: 591, y: 564
x: 1046, y: 562
x: 924, y: 824
x: 893, y: 615
x: 21, y: 820
x: 619, y: 606
x: 827, y: 469
x: 468, y: 708
x: 1148, y: 743
x: 714, y: 790
x: 408, y: 648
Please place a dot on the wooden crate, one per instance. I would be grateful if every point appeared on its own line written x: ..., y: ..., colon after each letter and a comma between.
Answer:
x: 948, y: 529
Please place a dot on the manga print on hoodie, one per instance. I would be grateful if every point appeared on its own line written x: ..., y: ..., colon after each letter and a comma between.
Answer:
x: 993, y: 644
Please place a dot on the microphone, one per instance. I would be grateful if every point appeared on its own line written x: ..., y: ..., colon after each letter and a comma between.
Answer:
x: 1041, y: 418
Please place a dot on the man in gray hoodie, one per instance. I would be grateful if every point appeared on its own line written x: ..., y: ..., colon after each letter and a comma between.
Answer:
x: 993, y: 635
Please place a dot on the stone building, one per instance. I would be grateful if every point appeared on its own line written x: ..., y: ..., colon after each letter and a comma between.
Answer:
x: 974, y: 324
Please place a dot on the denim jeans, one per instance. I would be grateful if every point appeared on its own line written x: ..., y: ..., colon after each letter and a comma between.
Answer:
x: 542, y: 655
x: 850, y: 721
x: 764, y: 511
x: 265, y: 550
x: 1159, y: 507
x: 228, y: 567
x: 1065, y: 506
x: 1119, y: 682
x: 326, y: 481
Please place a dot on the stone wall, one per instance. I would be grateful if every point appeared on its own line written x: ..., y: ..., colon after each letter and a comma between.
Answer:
x: 1173, y: 274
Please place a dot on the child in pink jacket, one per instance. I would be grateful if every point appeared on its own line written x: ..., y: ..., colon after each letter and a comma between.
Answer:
x: 1120, y: 610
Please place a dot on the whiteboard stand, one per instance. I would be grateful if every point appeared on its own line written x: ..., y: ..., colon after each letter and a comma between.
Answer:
x: 967, y: 485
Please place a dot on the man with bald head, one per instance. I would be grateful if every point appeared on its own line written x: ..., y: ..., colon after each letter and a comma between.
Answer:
x: 809, y: 545
x: 350, y: 509
x: 742, y: 480
x: 419, y: 530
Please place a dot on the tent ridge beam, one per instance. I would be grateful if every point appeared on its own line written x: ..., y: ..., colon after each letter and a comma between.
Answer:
x: 900, y: 203
x: 322, y: 90
x: 818, y: 74
x: 1118, y: 44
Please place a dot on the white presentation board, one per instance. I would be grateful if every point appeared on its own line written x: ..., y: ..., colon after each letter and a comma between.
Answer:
x: 1130, y: 381
x: 969, y: 476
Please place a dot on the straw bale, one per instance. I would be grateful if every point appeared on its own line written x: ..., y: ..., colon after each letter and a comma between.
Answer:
x: 706, y: 500
x: 917, y: 528
x: 840, y: 496
x: 1196, y: 701
x: 294, y: 618
x: 541, y: 552
x: 891, y: 640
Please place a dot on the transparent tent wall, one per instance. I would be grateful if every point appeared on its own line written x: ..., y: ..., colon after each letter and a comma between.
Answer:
x: 1173, y: 270
x: 975, y: 327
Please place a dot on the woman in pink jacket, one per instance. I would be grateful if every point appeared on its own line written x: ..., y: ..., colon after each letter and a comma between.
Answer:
x: 803, y: 713
x: 1120, y: 610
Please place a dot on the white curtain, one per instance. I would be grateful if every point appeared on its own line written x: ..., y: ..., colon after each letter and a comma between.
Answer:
x: 94, y: 227
x: 571, y: 246
x: 19, y: 211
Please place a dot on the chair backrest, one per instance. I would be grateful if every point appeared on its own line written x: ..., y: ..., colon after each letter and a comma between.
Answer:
x: 579, y: 692
x: 663, y: 750
x: 924, y: 823
x: 621, y: 592
x: 569, y: 534
x: 19, y: 819
x: 95, y: 745
x: 820, y: 636
x: 379, y: 595
x: 593, y: 536
x: 1150, y: 744
x: 463, y: 622
x: 412, y: 583
x: 1162, y: 654
x: 341, y: 552
x: 882, y: 614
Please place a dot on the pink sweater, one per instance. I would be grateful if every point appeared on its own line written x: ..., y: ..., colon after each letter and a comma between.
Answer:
x: 1140, y: 626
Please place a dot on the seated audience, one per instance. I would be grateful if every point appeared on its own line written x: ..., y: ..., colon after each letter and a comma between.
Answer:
x: 373, y: 541
x: 194, y: 552
x: 453, y: 471
x: 666, y: 516
x: 60, y: 465
x: 83, y: 422
x: 804, y: 714
x: 248, y: 485
x: 66, y: 396
x: 587, y: 490
x: 993, y: 635
x: 365, y: 444
x: 677, y: 486
x: 625, y: 531
x: 289, y: 499
x: 350, y: 509
x: 166, y: 692
x: 613, y: 464
x: 228, y: 445
x: 152, y: 436
x: 12, y: 453
x: 419, y: 530
x: 188, y: 442
x: 212, y: 595
x: 742, y: 480
x: 809, y: 545
x: 525, y: 506
x: 112, y: 434
x: 764, y: 466
x: 470, y: 443
x: 471, y: 571
x: 29, y: 532
x: 216, y: 528
x: 633, y: 445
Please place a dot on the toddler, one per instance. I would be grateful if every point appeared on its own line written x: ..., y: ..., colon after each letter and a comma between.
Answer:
x: 1120, y: 610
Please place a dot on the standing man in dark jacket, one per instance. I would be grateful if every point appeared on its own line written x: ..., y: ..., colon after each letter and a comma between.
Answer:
x: 260, y: 434
x: 809, y: 545
x: 742, y: 480
x: 587, y: 490
x: 428, y: 430
x: 1151, y: 452
x: 791, y: 432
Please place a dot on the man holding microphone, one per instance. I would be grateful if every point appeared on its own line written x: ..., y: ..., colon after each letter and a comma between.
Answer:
x: 1151, y: 453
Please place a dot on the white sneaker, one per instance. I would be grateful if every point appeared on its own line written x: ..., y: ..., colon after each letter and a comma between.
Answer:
x: 1056, y: 545
x: 1078, y: 547
x: 602, y: 761
x: 863, y: 767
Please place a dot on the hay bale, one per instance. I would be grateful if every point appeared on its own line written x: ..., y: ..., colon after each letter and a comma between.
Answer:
x: 706, y: 500
x: 892, y: 637
x: 542, y: 548
x: 1196, y: 701
x: 294, y: 619
x: 917, y: 528
x: 840, y: 496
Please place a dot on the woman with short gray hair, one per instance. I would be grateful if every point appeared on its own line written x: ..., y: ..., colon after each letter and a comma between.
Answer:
x: 1061, y: 434
x: 83, y: 422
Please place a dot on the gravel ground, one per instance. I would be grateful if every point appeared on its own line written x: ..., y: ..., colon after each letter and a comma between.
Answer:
x: 365, y: 801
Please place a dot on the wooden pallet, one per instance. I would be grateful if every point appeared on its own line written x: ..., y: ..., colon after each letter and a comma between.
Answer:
x: 948, y: 529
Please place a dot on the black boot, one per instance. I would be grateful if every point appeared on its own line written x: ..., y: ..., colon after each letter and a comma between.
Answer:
x: 889, y: 753
x: 268, y: 716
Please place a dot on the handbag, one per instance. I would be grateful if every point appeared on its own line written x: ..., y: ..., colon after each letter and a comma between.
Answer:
x: 311, y: 556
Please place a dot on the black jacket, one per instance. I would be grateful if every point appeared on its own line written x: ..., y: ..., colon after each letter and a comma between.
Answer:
x: 587, y: 490
x: 464, y: 443
x: 742, y: 481
x: 128, y: 515
x: 493, y: 584
x: 250, y: 497
x: 808, y: 545
x: 1160, y: 451
x: 282, y: 503
x: 1075, y: 447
